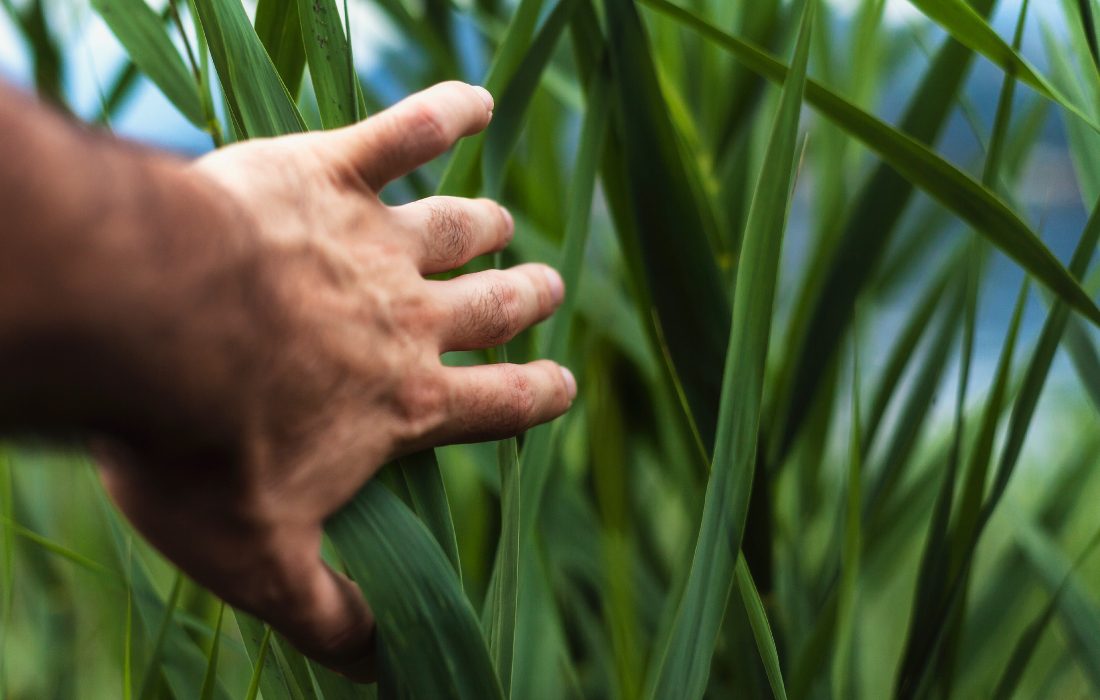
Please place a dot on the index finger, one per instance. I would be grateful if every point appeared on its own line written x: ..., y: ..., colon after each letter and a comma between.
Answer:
x: 412, y: 132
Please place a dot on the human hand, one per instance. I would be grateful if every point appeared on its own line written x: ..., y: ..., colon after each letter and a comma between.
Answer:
x: 308, y: 355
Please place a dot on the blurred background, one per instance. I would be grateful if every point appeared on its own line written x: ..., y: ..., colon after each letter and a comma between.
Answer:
x: 621, y: 513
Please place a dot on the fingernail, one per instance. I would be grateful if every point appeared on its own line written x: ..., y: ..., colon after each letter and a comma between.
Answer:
x: 557, y: 287
x: 485, y: 97
x: 511, y: 223
x: 570, y: 382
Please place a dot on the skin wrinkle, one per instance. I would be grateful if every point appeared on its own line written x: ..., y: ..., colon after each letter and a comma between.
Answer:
x: 244, y: 340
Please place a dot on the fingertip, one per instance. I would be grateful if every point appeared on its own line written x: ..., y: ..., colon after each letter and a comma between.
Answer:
x: 510, y: 225
x: 570, y: 382
x: 557, y: 286
x: 486, y: 97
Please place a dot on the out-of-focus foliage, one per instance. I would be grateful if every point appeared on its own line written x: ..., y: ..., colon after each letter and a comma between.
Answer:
x: 731, y: 509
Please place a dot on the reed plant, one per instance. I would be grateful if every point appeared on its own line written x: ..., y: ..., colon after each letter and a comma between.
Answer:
x: 784, y: 476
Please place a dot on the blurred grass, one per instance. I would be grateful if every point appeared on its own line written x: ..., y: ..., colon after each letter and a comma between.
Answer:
x: 896, y: 544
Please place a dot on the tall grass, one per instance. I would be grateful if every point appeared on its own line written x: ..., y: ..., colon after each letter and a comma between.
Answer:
x: 785, y: 475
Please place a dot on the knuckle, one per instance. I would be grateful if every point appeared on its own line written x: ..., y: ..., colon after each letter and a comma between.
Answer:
x: 452, y: 229
x: 520, y: 397
x: 498, y: 311
x: 428, y: 124
x: 422, y: 402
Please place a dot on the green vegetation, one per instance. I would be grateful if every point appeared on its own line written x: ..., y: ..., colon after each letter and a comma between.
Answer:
x: 784, y: 475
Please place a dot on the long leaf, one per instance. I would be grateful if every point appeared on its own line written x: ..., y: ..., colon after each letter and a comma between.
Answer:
x: 141, y: 32
x: 969, y: 28
x: 429, y: 636
x: 257, y: 98
x: 918, y: 164
x: 210, y: 679
x: 327, y: 53
x: 280, y: 31
x: 686, y: 664
x: 508, y: 117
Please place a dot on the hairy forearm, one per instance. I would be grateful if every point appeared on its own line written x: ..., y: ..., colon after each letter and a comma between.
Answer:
x: 116, y: 266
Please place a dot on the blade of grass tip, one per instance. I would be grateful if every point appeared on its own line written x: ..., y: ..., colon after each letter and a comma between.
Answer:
x: 535, y: 460
x: 429, y: 497
x: 152, y: 671
x: 761, y: 629
x: 969, y: 28
x: 508, y: 118
x: 685, y: 665
x: 848, y: 592
x: 431, y: 640
x: 280, y: 31
x: 458, y: 178
x: 1029, y: 639
x: 258, y: 669
x: 142, y: 34
x: 206, y: 90
x: 210, y: 679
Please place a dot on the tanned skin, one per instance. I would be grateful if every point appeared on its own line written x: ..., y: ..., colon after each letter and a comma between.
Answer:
x: 243, y: 340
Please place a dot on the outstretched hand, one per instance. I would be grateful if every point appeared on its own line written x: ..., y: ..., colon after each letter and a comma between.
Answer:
x: 310, y: 355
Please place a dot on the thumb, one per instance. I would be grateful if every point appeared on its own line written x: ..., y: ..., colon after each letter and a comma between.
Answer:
x: 319, y: 611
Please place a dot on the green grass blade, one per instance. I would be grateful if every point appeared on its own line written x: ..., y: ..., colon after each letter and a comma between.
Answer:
x: 294, y: 668
x: 258, y: 100
x: 258, y: 669
x: 141, y: 32
x: 535, y: 460
x: 902, y: 351
x: 1079, y: 612
x: 210, y: 678
x: 259, y: 644
x: 152, y: 672
x: 280, y: 31
x: 503, y: 598
x: 978, y: 468
x: 1082, y: 351
x: 848, y: 591
x: 761, y: 630
x: 969, y: 28
x: 914, y: 411
x: 1084, y: 144
x: 428, y: 633
x: 459, y: 178
x: 14, y: 528
x: 681, y: 276
x: 686, y: 664
x: 429, y: 497
x: 328, y: 55
x: 508, y: 117
x: 918, y: 164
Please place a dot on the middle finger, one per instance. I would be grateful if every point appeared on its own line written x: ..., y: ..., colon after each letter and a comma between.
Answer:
x: 491, y: 307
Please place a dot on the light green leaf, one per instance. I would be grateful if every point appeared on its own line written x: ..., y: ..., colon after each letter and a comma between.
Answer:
x: 685, y: 666
x: 141, y: 32
x: 953, y: 188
